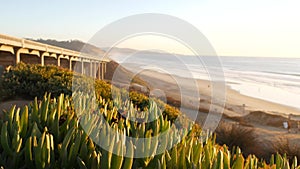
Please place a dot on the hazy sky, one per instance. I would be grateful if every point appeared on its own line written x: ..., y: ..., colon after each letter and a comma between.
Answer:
x: 233, y: 27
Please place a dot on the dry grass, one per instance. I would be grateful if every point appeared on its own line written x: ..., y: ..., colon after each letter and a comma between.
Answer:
x: 284, y: 146
x: 244, y: 137
x: 237, y: 135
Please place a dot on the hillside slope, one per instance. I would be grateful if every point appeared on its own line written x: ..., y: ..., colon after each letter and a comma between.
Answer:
x: 80, y: 46
x: 74, y: 45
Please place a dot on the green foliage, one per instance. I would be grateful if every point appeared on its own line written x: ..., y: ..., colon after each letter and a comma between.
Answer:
x: 47, y: 134
x: 64, y: 131
x: 29, y: 81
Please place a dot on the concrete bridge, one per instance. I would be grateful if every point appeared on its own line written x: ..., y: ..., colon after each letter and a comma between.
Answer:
x: 14, y: 50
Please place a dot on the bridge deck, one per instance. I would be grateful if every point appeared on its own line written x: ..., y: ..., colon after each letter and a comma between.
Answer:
x: 14, y: 50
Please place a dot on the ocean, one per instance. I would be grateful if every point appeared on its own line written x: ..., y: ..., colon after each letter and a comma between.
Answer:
x: 272, y: 79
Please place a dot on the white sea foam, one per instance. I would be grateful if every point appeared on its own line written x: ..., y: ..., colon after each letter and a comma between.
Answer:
x: 270, y: 93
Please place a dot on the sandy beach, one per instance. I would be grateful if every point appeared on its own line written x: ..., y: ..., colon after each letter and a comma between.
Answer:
x: 263, y: 117
x: 236, y: 103
x: 266, y: 118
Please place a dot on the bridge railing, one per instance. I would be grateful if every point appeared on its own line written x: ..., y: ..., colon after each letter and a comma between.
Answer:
x: 23, y: 43
x: 8, y: 40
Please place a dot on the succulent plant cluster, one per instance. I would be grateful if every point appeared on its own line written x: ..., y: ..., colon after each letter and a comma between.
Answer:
x: 64, y: 133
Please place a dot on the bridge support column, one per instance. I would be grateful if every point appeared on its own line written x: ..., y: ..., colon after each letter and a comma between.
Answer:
x: 95, y: 69
x: 18, y: 58
x: 99, y: 72
x: 58, y: 60
x: 70, y: 63
x: 91, y: 68
x: 102, y: 70
x: 82, y: 66
x: 18, y: 54
x: 42, y: 60
x: 43, y: 57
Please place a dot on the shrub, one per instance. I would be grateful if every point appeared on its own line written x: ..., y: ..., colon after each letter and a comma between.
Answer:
x: 284, y: 146
x: 234, y: 135
x: 29, y: 81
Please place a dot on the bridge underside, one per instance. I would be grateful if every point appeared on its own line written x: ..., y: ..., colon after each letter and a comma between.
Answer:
x: 30, y: 59
x: 7, y: 59
x: 50, y: 61
x: 64, y: 63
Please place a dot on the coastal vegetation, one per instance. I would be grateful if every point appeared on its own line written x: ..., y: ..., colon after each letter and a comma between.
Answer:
x: 49, y: 132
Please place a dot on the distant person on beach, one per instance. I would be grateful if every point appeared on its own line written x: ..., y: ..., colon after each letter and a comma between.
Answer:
x: 285, y: 125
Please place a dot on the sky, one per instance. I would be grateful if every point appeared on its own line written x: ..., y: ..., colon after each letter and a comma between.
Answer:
x: 265, y: 28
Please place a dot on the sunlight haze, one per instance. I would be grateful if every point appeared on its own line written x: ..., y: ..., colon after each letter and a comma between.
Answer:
x: 268, y: 28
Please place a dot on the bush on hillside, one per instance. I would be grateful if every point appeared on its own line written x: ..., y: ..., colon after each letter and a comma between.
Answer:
x: 236, y: 135
x: 284, y: 146
x: 28, y: 81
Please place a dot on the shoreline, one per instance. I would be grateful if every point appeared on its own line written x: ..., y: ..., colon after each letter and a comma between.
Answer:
x: 264, y: 118
x: 267, y: 93
x: 236, y: 104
